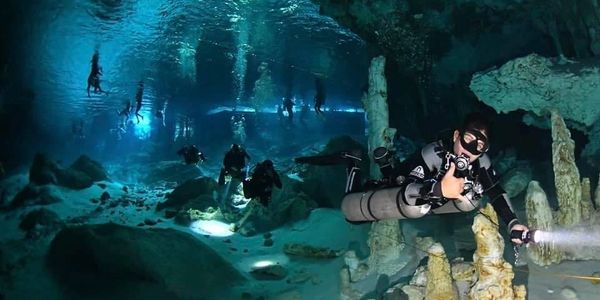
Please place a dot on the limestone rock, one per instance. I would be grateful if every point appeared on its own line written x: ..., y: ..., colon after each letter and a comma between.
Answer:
x: 347, y: 292
x: 89, y: 167
x: 357, y: 269
x: 439, y: 278
x: 386, y: 243
x: 270, y: 272
x: 199, y: 191
x: 81, y: 174
x: 162, y: 263
x: 494, y: 274
x: 309, y: 251
x: 40, y: 222
x: 537, y: 84
x: 539, y: 216
x: 587, y: 208
x: 566, y: 174
x: 515, y: 180
x: 35, y: 195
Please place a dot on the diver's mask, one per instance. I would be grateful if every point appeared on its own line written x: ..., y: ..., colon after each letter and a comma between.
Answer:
x: 474, y: 141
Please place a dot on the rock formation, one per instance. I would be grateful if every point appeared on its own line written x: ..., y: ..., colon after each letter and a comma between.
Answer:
x: 540, y: 217
x: 439, y: 277
x: 376, y: 110
x: 566, y: 174
x: 386, y: 243
x: 538, y: 85
x: 494, y: 274
x: 161, y: 263
x: 587, y: 207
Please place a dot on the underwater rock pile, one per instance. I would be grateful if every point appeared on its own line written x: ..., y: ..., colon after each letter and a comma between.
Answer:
x: 538, y: 85
x: 575, y: 210
x: 80, y: 175
x: 162, y: 263
x: 489, y: 276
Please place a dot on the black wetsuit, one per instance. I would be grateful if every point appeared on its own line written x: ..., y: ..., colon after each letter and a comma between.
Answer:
x: 261, y: 185
x: 288, y: 104
x: 138, y: 101
x: 233, y: 164
x: 95, y: 73
x: 424, y: 171
x: 320, y: 96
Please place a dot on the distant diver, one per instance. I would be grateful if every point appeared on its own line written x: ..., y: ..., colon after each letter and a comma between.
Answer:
x: 288, y: 104
x: 160, y: 113
x: 234, y: 163
x: 238, y: 128
x: 319, y: 96
x: 95, y: 73
x: 138, y: 101
x: 280, y: 114
x: 191, y: 155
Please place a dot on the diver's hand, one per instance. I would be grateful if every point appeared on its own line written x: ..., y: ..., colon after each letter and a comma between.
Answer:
x: 518, y: 227
x: 452, y: 187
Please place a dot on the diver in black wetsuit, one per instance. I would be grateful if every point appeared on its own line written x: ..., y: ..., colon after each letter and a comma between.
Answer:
x: 319, y: 96
x: 138, y: 101
x: 191, y: 155
x: 234, y: 163
x: 95, y: 73
x: 446, y: 176
x: 288, y: 105
x: 261, y: 183
x: 126, y: 111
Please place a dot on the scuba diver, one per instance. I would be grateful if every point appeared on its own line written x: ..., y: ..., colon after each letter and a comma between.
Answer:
x: 261, y: 183
x: 95, y: 73
x: 191, y: 155
x: 234, y: 163
x: 138, y: 101
x: 238, y: 128
x: 319, y: 96
x: 446, y: 176
x: 288, y: 105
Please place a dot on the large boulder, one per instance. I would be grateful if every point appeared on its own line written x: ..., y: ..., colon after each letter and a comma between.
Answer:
x: 40, y: 222
x: 80, y: 175
x: 110, y: 261
x: 194, y: 193
x: 35, y: 195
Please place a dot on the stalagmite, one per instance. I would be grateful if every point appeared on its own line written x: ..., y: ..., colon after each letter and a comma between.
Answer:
x: 566, y: 174
x: 494, y: 274
x: 385, y: 238
x: 539, y: 216
x: 376, y: 109
x: 439, y: 278
x: 587, y: 208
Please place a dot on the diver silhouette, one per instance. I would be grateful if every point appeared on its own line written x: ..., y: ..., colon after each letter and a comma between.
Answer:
x: 95, y: 73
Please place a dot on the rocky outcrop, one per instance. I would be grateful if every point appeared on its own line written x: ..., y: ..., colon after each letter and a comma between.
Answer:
x: 494, y: 274
x: 310, y: 251
x: 386, y: 243
x: 566, y: 174
x: 587, y: 208
x: 40, y: 223
x: 195, y: 193
x: 80, y: 175
x: 537, y: 84
x: 540, y: 217
x: 162, y: 263
x: 439, y: 277
x: 35, y: 195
